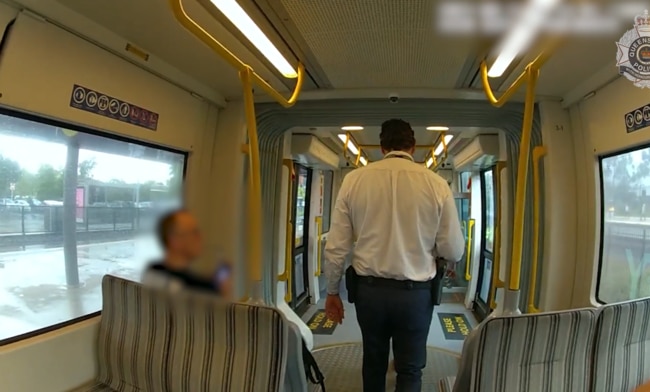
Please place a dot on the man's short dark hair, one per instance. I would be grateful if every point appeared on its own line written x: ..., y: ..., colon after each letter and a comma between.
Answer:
x: 396, y: 135
x: 166, y: 226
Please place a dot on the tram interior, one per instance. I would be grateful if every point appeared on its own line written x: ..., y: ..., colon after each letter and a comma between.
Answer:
x: 113, y: 111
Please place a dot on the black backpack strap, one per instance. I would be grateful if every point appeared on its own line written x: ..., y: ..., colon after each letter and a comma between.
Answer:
x: 311, y: 368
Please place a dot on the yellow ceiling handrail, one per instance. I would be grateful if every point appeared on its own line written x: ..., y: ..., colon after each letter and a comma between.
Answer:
x: 186, y: 21
x: 499, y: 102
x: 349, y: 138
x: 530, y: 76
x: 248, y: 77
x: 443, y: 155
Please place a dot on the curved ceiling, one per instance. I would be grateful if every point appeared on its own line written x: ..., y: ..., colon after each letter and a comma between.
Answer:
x: 345, y: 45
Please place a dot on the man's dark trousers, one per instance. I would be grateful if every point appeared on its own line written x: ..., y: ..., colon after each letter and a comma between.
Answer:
x: 400, y: 312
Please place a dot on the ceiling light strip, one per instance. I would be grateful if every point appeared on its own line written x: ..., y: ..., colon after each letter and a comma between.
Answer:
x: 238, y: 17
x: 522, y: 35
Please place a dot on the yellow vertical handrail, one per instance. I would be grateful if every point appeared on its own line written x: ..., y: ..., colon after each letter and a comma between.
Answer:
x: 530, y: 76
x: 287, y: 163
x: 288, y: 250
x: 497, y: 283
x: 443, y: 155
x: 468, y: 256
x: 248, y: 77
x: 538, y: 153
x: 319, y: 233
x: 255, y: 191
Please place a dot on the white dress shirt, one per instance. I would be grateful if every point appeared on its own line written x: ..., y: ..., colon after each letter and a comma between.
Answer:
x: 402, y: 216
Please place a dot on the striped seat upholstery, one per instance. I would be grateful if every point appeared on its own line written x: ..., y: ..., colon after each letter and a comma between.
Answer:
x: 94, y: 387
x: 226, y: 347
x: 537, y: 352
x: 622, y: 347
x: 133, y: 337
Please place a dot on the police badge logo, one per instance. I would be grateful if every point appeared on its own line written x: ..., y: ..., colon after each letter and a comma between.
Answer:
x: 633, y: 57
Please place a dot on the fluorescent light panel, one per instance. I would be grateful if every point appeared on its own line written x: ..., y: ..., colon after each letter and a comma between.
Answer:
x: 429, y: 162
x: 364, y: 161
x: 237, y: 16
x: 522, y: 35
x: 437, y: 128
x: 352, y: 128
x: 440, y: 147
x: 353, y: 149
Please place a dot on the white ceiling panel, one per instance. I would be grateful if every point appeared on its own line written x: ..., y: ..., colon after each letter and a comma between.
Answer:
x: 379, y: 43
x: 151, y: 25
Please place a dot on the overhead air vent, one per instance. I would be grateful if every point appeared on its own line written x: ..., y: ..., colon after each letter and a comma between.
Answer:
x: 480, y: 153
x: 310, y: 151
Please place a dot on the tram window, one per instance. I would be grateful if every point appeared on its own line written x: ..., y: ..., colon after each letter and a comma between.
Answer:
x: 301, y: 205
x: 74, y: 206
x: 465, y: 183
x: 489, y: 210
x: 625, y: 239
x: 328, y: 177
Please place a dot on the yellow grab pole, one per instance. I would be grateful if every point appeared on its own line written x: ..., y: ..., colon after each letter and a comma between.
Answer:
x: 287, y: 261
x: 284, y: 276
x: 497, y: 283
x: 255, y: 188
x: 530, y: 76
x: 468, y: 256
x: 522, y: 178
x: 288, y: 250
x: 538, y: 153
x: 248, y: 77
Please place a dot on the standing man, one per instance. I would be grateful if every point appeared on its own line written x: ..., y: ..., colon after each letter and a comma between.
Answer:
x: 403, y: 216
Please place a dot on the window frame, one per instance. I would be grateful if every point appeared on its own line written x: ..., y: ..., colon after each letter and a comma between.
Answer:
x: 601, y: 229
x: 49, y: 121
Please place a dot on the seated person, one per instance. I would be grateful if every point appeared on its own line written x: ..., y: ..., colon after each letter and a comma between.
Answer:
x: 180, y: 237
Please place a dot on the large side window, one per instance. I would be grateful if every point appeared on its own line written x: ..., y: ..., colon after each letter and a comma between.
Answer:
x: 74, y: 206
x: 328, y: 177
x: 625, y: 242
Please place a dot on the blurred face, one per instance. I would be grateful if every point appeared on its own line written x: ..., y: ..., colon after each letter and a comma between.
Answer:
x: 185, y: 238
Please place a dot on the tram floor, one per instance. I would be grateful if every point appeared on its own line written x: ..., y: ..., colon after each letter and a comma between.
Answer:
x: 340, y: 355
x: 349, y: 331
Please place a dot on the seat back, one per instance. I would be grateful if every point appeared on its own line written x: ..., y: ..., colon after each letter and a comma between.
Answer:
x: 295, y: 380
x: 225, y: 346
x: 536, y: 352
x: 622, y: 346
x: 133, y: 337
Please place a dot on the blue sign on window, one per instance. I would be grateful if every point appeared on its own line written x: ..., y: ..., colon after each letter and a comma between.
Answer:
x: 92, y: 101
x: 637, y: 119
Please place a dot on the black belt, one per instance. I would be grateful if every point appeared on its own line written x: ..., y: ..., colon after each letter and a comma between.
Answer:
x: 393, y: 283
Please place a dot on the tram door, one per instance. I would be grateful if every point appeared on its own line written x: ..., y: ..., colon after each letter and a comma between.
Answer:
x: 457, y: 282
x: 488, y: 196
x: 300, y: 218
